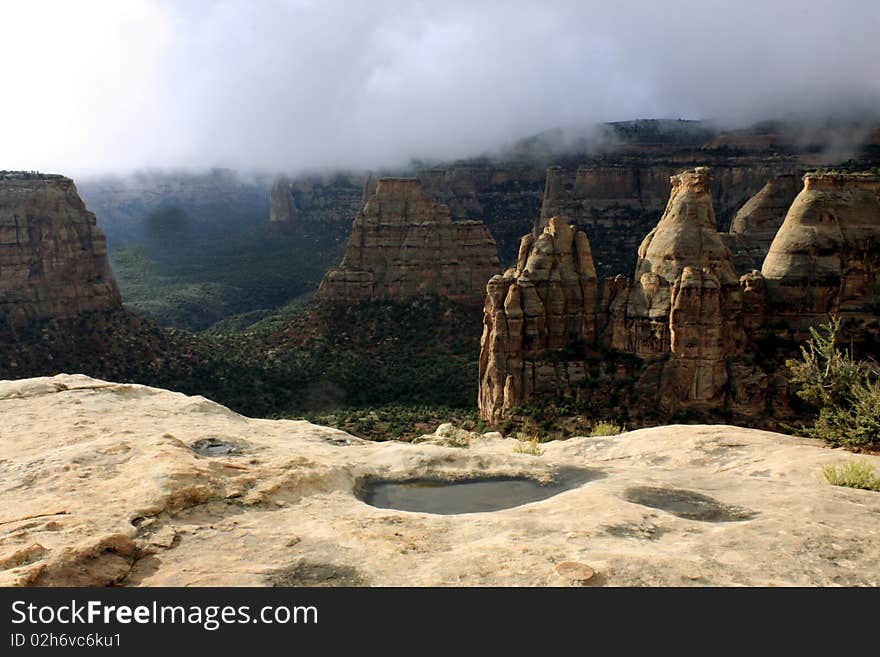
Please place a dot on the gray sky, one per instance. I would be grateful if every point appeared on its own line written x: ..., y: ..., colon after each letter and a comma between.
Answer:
x: 97, y: 86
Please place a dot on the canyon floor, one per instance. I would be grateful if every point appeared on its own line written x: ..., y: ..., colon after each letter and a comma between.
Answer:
x: 112, y: 484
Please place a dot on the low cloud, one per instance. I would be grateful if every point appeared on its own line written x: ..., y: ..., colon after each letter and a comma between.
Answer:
x: 275, y: 85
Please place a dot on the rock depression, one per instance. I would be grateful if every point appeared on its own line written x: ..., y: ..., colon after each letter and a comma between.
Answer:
x: 106, y: 484
x: 403, y: 244
x: 53, y: 257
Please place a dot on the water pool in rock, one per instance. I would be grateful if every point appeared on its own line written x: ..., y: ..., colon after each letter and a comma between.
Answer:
x: 451, y: 497
x: 214, y: 447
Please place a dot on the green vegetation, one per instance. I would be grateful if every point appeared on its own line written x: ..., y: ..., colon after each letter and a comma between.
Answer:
x: 853, y: 474
x: 844, y: 390
x: 189, y: 276
x: 606, y: 429
x: 529, y: 446
x: 394, y: 421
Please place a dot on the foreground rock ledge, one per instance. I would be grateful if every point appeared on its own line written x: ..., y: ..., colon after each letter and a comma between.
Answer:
x: 99, y: 485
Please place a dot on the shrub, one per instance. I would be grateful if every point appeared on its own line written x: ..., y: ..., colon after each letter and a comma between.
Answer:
x: 853, y: 474
x: 845, y: 391
x: 529, y: 446
x: 606, y: 429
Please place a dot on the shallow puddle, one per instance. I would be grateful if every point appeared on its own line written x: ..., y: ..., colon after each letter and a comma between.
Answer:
x: 214, y: 447
x: 686, y: 504
x: 447, y: 497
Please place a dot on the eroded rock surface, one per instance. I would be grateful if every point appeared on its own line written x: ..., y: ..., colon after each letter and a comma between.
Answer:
x: 756, y: 223
x: 53, y: 257
x: 826, y: 256
x: 546, y: 303
x: 403, y: 244
x: 100, y: 485
x: 686, y: 300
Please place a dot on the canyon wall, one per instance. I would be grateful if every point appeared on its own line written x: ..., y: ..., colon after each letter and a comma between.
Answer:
x: 53, y: 257
x: 404, y: 244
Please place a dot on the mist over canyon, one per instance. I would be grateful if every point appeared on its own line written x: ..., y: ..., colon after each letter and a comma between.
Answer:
x: 440, y: 294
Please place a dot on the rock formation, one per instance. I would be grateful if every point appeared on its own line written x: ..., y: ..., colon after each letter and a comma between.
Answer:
x: 134, y: 486
x: 53, y: 257
x: 685, y: 316
x: 686, y: 301
x: 403, y: 245
x: 826, y: 256
x: 755, y: 224
x: 617, y: 203
x: 546, y: 303
x: 282, y: 204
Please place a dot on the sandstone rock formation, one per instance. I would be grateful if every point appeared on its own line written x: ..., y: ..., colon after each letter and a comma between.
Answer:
x: 282, y: 204
x: 826, y: 256
x: 546, y: 303
x: 686, y: 301
x: 105, y: 483
x: 618, y: 202
x: 403, y: 245
x: 53, y: 257
x: 755, y: 224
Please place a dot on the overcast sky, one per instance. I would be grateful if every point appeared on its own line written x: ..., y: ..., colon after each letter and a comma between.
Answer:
x: 278, y: 85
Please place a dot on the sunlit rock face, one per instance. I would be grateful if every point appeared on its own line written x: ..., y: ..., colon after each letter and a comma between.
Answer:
x: 53, y: 257
x: 686, y: 301
x: 825, y: 259
x: 616, y: 203
x: 546, y: 303
x: 403, y: 245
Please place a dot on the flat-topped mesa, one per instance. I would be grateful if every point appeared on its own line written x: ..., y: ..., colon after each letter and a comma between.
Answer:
x: 53, y: 257
x: 825, y: 259
x: 686, y: 301
x: 282, y: 204
x: 546, y: 303
x: 403, y: 244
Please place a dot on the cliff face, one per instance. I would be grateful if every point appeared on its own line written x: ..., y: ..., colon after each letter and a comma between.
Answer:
x: 282, y: 204
x: 755, y: 224
x: 826, y: 256
x: 53, y: 257
x: 404, y: 244
x: 546, y: 303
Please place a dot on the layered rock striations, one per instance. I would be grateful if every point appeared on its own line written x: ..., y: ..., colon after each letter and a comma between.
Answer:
x: 756, y: 223
x: 53, y: 257
x: 546, y: 303
x: 825, y: 259
x: 403, y: 244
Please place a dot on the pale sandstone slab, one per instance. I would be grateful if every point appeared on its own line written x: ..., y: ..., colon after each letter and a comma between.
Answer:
x: 99, y: 485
